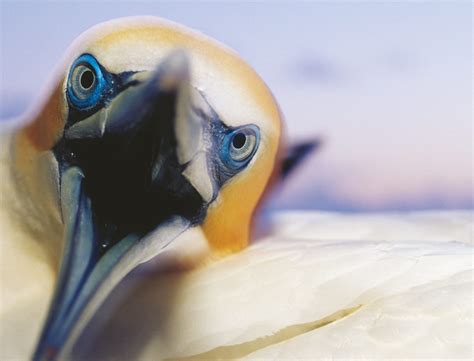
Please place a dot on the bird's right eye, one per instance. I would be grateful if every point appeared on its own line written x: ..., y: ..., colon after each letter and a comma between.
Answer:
x: 239, y: 146
x: 86, y: 82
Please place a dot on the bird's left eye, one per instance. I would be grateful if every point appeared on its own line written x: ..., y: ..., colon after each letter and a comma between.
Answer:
x: 85, y: 83
x: 239, y: 146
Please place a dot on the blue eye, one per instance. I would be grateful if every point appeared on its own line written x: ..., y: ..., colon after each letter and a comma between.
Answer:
x: 239, y: 146
x: 86, y: 82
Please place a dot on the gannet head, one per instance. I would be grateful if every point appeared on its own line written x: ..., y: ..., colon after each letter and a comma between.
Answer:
x: 153, y: 130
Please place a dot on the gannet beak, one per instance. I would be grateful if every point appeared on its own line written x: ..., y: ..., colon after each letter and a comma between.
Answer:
x: 132, y: 180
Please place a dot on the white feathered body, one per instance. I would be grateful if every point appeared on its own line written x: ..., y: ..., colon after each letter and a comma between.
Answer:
x: 321, y: 286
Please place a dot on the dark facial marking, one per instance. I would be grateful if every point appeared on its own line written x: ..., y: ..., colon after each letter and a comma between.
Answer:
x: 126, y: 195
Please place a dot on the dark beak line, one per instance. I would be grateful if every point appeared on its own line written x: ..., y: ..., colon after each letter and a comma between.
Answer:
x: 76, y: 258
x: 82, y: 272
x: 112, y: 143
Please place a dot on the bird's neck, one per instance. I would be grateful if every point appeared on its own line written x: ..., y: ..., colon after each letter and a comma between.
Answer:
x: 28, y: 191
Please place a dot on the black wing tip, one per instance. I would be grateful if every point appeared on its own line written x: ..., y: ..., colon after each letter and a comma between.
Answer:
x: 298, y: 152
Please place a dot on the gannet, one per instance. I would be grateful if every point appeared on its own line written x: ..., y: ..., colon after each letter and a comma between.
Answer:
x: 156, y: 144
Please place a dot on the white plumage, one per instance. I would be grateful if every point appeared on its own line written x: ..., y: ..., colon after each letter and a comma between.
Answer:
x: 390, y: 286
x: 395, y: 285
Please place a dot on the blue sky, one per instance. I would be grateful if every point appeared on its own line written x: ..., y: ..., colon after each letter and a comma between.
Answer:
x: 388, y: 85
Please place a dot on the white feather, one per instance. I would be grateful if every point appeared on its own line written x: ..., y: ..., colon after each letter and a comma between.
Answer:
x: 388, y: 286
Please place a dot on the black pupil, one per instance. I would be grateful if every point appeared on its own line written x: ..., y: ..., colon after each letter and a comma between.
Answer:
x: 87, y: 79
x: 239, y: 140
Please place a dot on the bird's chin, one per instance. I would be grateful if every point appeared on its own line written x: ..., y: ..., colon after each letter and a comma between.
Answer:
x: 188, y: 251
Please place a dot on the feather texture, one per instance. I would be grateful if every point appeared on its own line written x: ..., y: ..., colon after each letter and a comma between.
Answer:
x: 322, y: 285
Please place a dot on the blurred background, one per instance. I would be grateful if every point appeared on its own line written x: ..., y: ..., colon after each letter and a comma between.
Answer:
x: 386, y: 85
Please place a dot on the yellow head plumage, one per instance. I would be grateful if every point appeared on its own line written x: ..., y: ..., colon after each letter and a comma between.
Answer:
x: 230, y: 85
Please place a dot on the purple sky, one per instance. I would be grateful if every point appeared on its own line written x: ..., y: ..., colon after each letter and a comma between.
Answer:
x: 388, y: 86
